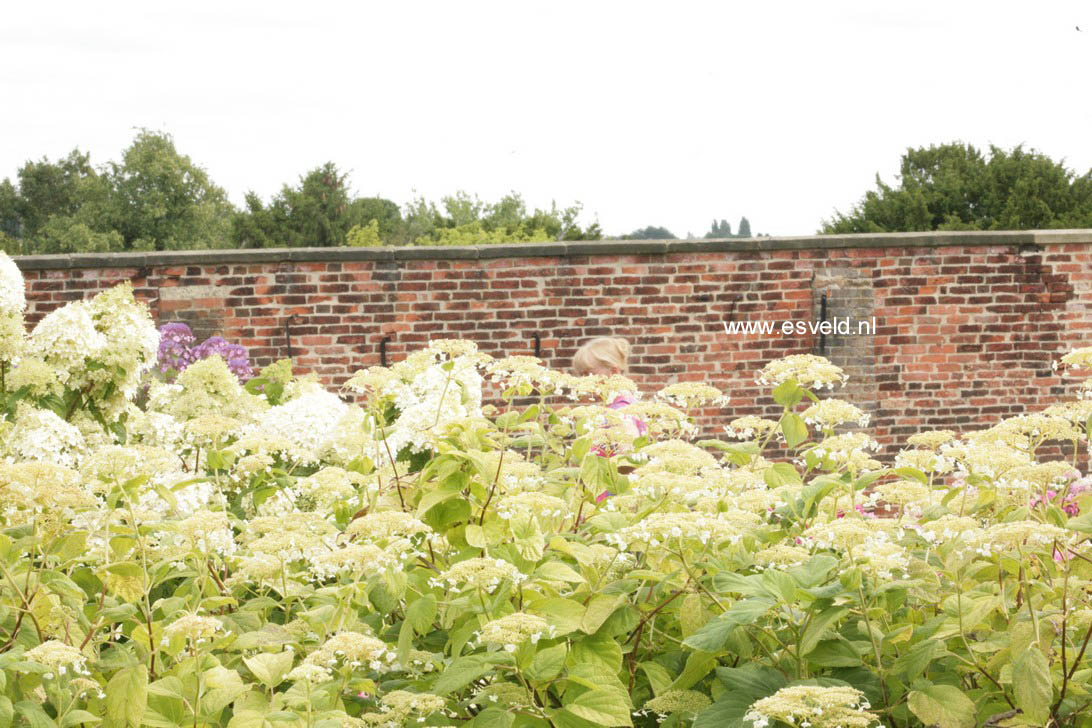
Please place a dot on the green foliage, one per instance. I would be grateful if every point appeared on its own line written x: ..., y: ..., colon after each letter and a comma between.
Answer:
x: 155, y: 198
x: 163, y: 201
x: 318, y: 212
x: 723, y: 229
x: 956, y: 187
x: 467, y: 220
x: 650, y: 233
x: 269, y: 554
x: 361, y: 236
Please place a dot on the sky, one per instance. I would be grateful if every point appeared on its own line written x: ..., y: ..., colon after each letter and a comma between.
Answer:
x: 648, y: 113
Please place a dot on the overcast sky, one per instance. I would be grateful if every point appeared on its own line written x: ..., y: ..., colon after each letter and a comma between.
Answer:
x: 649, y: 113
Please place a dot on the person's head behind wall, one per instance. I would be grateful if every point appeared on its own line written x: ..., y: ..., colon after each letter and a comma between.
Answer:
x: 604, y: 355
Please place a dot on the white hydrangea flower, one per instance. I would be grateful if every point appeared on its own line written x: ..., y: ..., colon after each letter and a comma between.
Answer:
x: 39, y: 434
x: 309, y: 422
x: 13, y: 297
x: 65, y: 339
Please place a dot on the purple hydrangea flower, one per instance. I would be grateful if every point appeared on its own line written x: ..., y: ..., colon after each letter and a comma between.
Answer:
x: 238, y: 361
x: 175, y: 342
x: 177, y: 351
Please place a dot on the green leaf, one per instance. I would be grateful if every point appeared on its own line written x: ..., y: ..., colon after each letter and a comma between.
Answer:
x: 548, y: 663
x: 127, y: 695
x: 34, y: 715
x: 79, y: 717
x: 794, y: 429
x: 834, y: 653
x: 913, y: 663
x: 780, y: 474
x: 475, y: 536
x: 818, y: 625
x: 492, y: 718
x: 421, y: 614
x: 752, y: 679
x: 464, y: 671
x: 788, y: 393
x: 599, y: 608
x: 1032, y: 686
x: 726, y: 712
x: 599, y: 653
x: 270, y: 667
x: 658, y: 676
x: 942, y: 705
x: 565, y: 615
x: 604, y: 707
x: 697, y: 667
x: 557, y: 571
x: 714, y: 634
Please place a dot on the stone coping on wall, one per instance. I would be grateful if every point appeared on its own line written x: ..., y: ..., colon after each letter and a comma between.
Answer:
x: 554, y: 249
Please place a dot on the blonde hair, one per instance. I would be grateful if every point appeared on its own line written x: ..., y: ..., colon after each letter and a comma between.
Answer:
x: 609, y: 352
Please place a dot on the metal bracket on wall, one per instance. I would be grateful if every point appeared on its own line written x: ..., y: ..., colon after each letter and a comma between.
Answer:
x: 538, y: 344
x: 383, y: 351
x: 288, y: 333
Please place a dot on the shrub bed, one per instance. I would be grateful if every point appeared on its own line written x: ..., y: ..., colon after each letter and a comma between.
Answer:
x: 202, y: 551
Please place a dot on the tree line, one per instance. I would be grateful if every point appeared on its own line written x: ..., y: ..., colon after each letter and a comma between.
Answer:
x: 155, y: 198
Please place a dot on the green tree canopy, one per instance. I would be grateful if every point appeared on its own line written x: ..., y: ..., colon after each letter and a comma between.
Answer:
x: 722, y: 229
x: 467, y: 220
x: 155, y: 198
x: 319, y: 211
x: 163, y: 201
x: 956, y: 187
x: 651, y: 232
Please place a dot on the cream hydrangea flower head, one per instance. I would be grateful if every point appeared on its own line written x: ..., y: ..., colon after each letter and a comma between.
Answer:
x: 931, y: 439
x: 194, y: 628
x: 40, y: 434
x: 13, y: 298
x: 480, y: 573
x: 65, y: 339
x: 354, y: 649
x: 808, y: 370
x: 813, y: 706
x: 688, y: 395
x: 511, y: 631
x: 13, y: 303
x: 829, y: 413
x: 686, y: 527
x: 58, y: 656
x: 527, y: 372
x: 750, y: 427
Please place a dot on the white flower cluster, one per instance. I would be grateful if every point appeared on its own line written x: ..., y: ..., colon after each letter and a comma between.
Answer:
x: 307, y: 423
x: 679, y: 529
x: 811, y: 706
x: 478, y: 573
x: 511, y: 631
x: 13, y: 303
x: 807, y: 370
x: 58, y: 656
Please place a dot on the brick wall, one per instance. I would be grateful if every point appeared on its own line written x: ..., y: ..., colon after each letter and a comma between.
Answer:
x: 967, y: 323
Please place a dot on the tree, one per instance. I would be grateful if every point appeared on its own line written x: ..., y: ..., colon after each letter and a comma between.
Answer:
x: 163, y: 201
x: 468, y: 220
x: 720, y: 230
x: 650, y: 233
x: 956, y: 187
x: 744, y: 228
x: 319, y: 212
